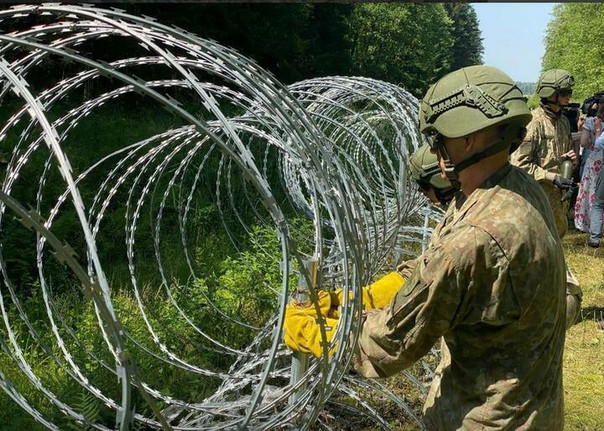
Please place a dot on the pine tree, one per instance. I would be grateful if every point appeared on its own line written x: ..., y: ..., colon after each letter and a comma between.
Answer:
x: 467, y: 43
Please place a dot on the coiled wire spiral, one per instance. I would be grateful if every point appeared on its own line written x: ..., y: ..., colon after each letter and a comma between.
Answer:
x: 322, y: 165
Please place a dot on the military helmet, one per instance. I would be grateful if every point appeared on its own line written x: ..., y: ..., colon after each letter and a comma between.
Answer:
x: 425, y: 170
x: 471, y: 99
x: 554, y: 80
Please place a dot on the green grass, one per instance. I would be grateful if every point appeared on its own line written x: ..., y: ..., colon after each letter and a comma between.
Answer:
x: 584, y: 351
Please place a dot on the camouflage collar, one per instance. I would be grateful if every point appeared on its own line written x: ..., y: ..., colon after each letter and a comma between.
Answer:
x: 550, y: 112
x: 496, y: 178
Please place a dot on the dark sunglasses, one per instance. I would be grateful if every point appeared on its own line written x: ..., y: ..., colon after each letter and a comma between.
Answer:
x: 565, y: 93
x: 436, y: 140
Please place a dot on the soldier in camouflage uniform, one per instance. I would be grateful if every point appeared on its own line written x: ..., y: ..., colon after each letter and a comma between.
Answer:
x: 546, y: 145
x: 548, y: 142
x: 491, y: 283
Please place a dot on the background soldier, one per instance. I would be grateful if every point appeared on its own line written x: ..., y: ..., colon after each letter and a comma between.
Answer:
x: 546, y: 146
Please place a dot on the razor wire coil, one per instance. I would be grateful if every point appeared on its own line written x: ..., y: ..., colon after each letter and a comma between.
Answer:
x: 321, y: 164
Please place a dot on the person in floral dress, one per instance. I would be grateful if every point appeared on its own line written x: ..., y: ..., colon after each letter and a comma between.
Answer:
x: 596, y: 212
x: 593, y: 165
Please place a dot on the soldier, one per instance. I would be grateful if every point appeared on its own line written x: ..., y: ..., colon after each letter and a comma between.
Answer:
x: 546, y: 145
x: 491, y: 282
x: 426, y: 173
x: 548, y: 142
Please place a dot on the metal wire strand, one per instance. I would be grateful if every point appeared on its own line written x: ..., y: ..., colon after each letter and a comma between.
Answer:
x: 314, y: 171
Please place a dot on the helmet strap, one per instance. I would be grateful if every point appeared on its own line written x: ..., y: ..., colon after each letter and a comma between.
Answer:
x: 499, y: 145
x: 450, y: 171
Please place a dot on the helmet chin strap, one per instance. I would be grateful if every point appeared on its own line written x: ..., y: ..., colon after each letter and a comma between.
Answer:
x: 555, y: 102
x: 562, y: 105
x: 450, y: 171
x: 502, y: 144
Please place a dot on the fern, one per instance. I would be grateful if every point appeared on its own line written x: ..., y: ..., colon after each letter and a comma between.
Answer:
x: 88, y: 406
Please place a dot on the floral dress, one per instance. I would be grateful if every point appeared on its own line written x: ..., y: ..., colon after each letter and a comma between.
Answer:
x: 587, y: 188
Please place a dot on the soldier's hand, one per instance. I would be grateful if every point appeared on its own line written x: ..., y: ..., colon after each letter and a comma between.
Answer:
x: 563, y: 183
x: 572, y: 156
x: 376, y: 295
x: 302, y: 326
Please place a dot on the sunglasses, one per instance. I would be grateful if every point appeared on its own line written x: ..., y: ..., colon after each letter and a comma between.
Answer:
x: 565, y: 93
x: 435, y: 140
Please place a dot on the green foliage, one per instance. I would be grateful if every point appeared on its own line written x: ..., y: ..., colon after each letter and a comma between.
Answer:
x: 87, y: 405
x: 244, y: 285
x: 411, y: 44
x: 467, y: 46
x: 291, y: 40
x: 533, y: 101
x: 329, y: 43
x: 573, y: 42
x: 405, y: 43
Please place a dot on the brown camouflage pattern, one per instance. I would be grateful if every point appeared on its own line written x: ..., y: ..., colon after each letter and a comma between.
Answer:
x: 491, y: 284
x: 540, y: 154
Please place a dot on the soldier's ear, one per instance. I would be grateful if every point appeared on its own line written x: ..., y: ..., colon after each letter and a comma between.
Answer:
x: 470, y: 143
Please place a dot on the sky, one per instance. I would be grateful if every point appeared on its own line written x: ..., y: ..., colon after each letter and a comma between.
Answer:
x: 513, y: 36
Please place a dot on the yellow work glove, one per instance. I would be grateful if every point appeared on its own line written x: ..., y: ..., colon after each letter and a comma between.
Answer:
x: 376, y: 295
x: 301, y: 330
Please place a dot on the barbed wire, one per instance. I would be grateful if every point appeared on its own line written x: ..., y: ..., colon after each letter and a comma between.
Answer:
x: 316, y: 170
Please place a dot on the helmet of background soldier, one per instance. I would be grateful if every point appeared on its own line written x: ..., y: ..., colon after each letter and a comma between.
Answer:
x: 425, y: 170
x: 471, y: 99
x: 553, y: 81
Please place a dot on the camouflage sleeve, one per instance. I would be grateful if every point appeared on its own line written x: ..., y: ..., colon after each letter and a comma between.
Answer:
x: 461, y: 280
x: 395, y: 337
x: 406, y: 268
x: 526, y: 156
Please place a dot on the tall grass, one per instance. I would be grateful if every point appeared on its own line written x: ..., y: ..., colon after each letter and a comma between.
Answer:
x: 584, y: 351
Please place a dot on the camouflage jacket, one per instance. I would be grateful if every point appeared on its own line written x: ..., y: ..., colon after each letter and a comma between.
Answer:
x: 491, y: 283
x: 546, y: 140
x: 540, y: 154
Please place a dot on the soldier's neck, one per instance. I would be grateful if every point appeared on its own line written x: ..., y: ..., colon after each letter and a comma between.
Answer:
x: 472, y: 177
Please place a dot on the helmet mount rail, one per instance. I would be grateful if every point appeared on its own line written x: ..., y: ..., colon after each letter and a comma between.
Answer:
x: 469, y: 95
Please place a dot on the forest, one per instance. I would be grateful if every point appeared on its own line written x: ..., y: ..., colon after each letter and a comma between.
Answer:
x: 229, y: 241
x: 572, y: 43
x: 296, y: 41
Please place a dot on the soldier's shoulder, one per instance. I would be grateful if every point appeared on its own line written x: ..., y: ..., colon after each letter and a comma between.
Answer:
x: 454, y: 247
x: 538, y: 115
x: 537, y: 122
